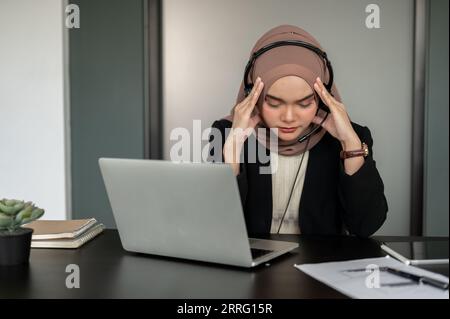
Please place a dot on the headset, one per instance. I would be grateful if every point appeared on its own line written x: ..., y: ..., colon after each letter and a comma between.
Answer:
x: 248, y: 86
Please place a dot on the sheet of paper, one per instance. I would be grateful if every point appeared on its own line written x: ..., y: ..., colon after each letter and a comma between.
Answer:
x: 372, y: 284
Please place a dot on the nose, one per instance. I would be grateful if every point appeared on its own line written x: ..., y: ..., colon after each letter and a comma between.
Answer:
x: 287, y: 115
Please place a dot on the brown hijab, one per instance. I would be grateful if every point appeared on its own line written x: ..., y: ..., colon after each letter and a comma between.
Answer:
x: 284, y: 61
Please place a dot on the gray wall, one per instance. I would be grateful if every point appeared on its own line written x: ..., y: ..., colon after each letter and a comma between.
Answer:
x: 206, y: 44
x: 107, y: 97
x: 436, y: 123
x: 33, y: 159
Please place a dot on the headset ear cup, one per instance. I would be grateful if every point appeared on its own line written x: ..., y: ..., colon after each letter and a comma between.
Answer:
x: 248, y: 89
x: 324, y: 107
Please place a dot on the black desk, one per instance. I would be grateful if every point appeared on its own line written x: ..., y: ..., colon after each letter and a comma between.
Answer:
x: 107, y: 271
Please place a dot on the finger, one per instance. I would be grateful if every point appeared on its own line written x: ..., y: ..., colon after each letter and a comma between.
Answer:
x: 326, y: 93
x: 257, y: 93
x: 324, y: 97
x: 255, y: 87
x: 249, y: 106
x: 252, y: 92
x: 320, y: 92
x: 254, y: 121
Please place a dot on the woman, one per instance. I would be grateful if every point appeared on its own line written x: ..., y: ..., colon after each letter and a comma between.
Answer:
x: 325, y: 182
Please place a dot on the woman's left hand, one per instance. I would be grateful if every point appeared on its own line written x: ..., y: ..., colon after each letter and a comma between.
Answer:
x: 337, y: 123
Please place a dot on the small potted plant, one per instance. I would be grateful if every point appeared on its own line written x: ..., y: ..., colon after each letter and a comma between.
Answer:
x: 15, y: 241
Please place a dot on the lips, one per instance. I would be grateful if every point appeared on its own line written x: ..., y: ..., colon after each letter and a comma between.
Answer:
x: 287, y: 129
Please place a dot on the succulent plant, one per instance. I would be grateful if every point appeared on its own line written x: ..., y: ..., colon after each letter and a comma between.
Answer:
x: 14, y: 213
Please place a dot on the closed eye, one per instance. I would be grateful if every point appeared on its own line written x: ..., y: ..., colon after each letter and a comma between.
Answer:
x: 272, y: 102
x: 306, y: 103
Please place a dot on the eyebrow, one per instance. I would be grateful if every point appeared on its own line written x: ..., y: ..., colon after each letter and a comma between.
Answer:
x: 281, y: 100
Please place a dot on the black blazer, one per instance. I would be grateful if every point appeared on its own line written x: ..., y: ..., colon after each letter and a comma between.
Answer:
x: 331, y: 202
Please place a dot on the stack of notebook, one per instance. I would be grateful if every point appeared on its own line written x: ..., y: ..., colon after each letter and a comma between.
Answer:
x: 63, y: 233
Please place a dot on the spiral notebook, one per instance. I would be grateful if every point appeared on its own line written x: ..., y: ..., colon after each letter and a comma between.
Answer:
x: 59, y: 229
x: 65, y: 233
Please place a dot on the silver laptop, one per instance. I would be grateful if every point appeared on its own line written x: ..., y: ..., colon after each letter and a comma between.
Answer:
x: 184, y: 210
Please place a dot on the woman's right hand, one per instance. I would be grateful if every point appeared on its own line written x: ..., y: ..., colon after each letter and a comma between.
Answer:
x: 243, y: 124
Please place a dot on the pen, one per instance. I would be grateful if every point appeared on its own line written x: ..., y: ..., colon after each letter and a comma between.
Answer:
x: 418, y: 279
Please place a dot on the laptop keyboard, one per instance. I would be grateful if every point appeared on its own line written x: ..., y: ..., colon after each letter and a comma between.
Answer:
x: 256, y: 252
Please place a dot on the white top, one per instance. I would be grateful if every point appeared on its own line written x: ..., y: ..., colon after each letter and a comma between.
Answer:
x: 284, y: 169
